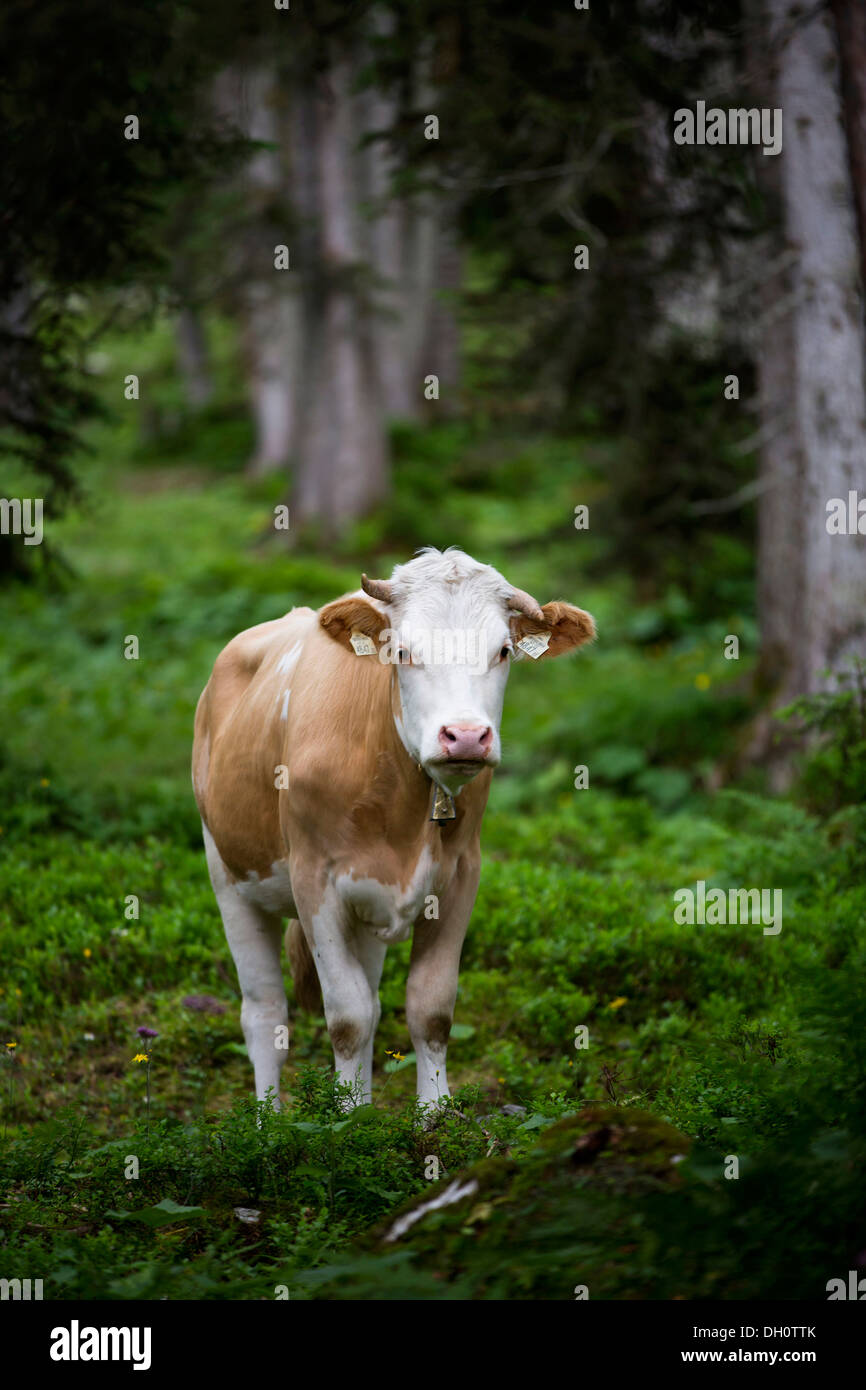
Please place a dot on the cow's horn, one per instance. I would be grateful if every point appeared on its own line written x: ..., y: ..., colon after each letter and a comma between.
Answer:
x: 525, y: 603
x: 377, y: 588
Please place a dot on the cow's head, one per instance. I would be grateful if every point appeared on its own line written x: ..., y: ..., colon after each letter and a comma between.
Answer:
x: 451, y: 628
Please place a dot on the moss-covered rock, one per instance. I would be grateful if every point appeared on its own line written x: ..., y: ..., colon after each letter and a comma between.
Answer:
x: 539, y: 1228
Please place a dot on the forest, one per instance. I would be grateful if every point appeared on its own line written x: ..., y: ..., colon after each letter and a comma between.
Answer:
x: 288, y: 292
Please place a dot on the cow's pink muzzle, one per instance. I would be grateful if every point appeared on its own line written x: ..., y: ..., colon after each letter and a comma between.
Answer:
x: 466, y: 742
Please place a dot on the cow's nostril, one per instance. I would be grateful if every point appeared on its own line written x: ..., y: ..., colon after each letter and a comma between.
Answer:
x: 469, y: 742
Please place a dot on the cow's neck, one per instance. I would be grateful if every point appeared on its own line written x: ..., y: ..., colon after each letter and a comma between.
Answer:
x: 425, y: 804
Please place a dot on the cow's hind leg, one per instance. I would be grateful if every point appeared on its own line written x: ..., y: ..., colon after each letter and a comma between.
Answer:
x: 254, y: 938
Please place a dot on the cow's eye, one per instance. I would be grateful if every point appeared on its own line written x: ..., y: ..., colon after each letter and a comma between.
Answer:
x: 506, y: 650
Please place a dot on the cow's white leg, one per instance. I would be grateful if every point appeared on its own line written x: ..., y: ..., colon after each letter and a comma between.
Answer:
x: 429, y: 1014
x: 431, y: 987
x: 371, y: 953
x: 349, y: 974
x: 254, y: 938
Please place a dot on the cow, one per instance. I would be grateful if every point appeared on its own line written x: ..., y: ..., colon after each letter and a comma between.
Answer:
x: 341, y: 764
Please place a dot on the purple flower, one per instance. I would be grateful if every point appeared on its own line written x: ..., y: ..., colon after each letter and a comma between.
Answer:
x: 146, y: 1033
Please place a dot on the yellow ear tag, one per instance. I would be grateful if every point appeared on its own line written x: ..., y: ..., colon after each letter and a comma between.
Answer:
x: 362, y: 644
x: 534, y: 644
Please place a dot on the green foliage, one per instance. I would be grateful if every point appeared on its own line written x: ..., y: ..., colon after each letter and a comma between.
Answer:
x: 83, y: 205
x: 750, y: 1045
x: 706, y: 1040
x: 554, y: 156
x: 309, y: 1179
x: 835, y: 770
x: 617, y: 1204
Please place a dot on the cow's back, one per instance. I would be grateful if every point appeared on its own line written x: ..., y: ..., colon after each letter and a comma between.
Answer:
x: 239, y: 726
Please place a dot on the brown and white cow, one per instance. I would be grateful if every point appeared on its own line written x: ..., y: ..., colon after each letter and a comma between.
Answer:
x: 324, y: 744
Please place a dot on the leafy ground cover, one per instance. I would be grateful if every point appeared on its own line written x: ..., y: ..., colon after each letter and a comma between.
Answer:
x: 600, y: 1166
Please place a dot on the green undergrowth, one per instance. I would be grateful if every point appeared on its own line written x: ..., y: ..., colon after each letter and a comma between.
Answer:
x: 748, y: 1044
x: 607, y: 1060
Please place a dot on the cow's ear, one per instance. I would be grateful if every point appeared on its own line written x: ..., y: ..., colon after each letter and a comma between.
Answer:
x: 352, y: 616
x: 565, y: 627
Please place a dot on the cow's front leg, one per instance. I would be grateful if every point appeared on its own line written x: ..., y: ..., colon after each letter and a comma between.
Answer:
x: 254, y: 938
x: 349, y: 963
x: 431, y: 988
x: 371, y: 953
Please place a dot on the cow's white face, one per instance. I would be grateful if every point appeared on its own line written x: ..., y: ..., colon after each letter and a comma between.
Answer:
x: 452, y: 648
x: 450, y: 627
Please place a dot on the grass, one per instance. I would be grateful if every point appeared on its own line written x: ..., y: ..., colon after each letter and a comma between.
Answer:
x: 715, y: 1040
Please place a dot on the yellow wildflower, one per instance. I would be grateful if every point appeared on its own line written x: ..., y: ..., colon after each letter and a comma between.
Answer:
x: 617, y: 1003
x: 141, y: 1057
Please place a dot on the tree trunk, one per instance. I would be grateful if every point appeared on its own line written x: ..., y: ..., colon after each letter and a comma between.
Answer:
x: 444, y: 330
x: 811, y: 374
x: 342, y: 468
x: 427, y: 243
x: 779, y: 579
x: 193, y: 357
x: 269, y: 344
x: 387, y: 232
x: 851, y: 29
x: 265, y: 298
x: 414, y: 254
